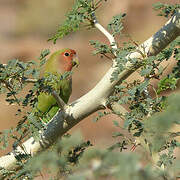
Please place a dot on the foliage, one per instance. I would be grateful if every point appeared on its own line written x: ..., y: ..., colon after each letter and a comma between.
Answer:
x: 116, y: 25
x: 82, y: 13
x: 156, y: 138
x: 149, y: 119
x: 170, y: 81
x: 57, y: 160
x: 166, y: 10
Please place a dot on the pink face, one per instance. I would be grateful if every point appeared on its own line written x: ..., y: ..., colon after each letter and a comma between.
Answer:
x: 68, y: 59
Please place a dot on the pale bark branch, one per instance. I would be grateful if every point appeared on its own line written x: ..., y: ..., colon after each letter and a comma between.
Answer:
x: 30, y: 80
x: 105, y: 32
x: 96, y: 98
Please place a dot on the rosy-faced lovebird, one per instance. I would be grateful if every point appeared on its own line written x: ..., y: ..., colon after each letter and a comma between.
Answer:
x: 60, y: 62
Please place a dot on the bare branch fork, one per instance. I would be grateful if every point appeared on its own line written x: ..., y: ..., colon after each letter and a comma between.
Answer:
x: 96, y: 98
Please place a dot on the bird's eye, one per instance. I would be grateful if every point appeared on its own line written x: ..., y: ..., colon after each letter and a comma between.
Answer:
x: 66, y: 54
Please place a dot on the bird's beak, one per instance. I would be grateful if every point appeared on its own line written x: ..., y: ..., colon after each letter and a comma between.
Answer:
x: 75, y: 61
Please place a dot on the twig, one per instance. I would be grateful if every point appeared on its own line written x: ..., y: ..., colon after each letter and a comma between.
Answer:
x: 104, y: 31
x: 29, y: 80
x: 8, y: 86
x: 59, y: 101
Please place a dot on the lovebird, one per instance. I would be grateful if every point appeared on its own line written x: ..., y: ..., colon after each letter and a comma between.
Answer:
x: 59, y: 62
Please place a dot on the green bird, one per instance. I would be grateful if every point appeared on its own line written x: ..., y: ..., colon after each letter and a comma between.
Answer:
x: 60, y: 62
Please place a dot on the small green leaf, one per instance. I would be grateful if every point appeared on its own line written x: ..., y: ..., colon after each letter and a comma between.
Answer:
x: 116, y: 123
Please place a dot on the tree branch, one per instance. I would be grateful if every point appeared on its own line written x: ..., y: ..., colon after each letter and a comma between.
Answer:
x: 94, y: 99
x: 30, y: 80
x: 104, y: 31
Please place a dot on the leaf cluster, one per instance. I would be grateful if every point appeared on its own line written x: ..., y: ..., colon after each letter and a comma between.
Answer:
x: 116, y: 25
x: 14, y: 82
x: 82, y: 13
x: 98, y: 163
x: 166, y: 10
x: 170, y: 81
x: 58, y: 161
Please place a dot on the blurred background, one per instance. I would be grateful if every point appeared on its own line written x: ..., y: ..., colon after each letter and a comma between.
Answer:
x: 25, y: 26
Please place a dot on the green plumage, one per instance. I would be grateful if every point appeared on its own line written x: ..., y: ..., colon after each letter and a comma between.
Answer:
x: 47, y: 104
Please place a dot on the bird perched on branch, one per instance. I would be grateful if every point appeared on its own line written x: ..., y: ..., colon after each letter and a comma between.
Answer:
x: 56, y: 76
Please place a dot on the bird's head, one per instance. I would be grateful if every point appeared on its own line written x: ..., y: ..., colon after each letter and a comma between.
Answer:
x: 62, y: 61
x: 69, y: 59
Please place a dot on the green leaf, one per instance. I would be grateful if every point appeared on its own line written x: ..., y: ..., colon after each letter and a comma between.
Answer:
x: 166, y: 83
x: 116, y: 123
